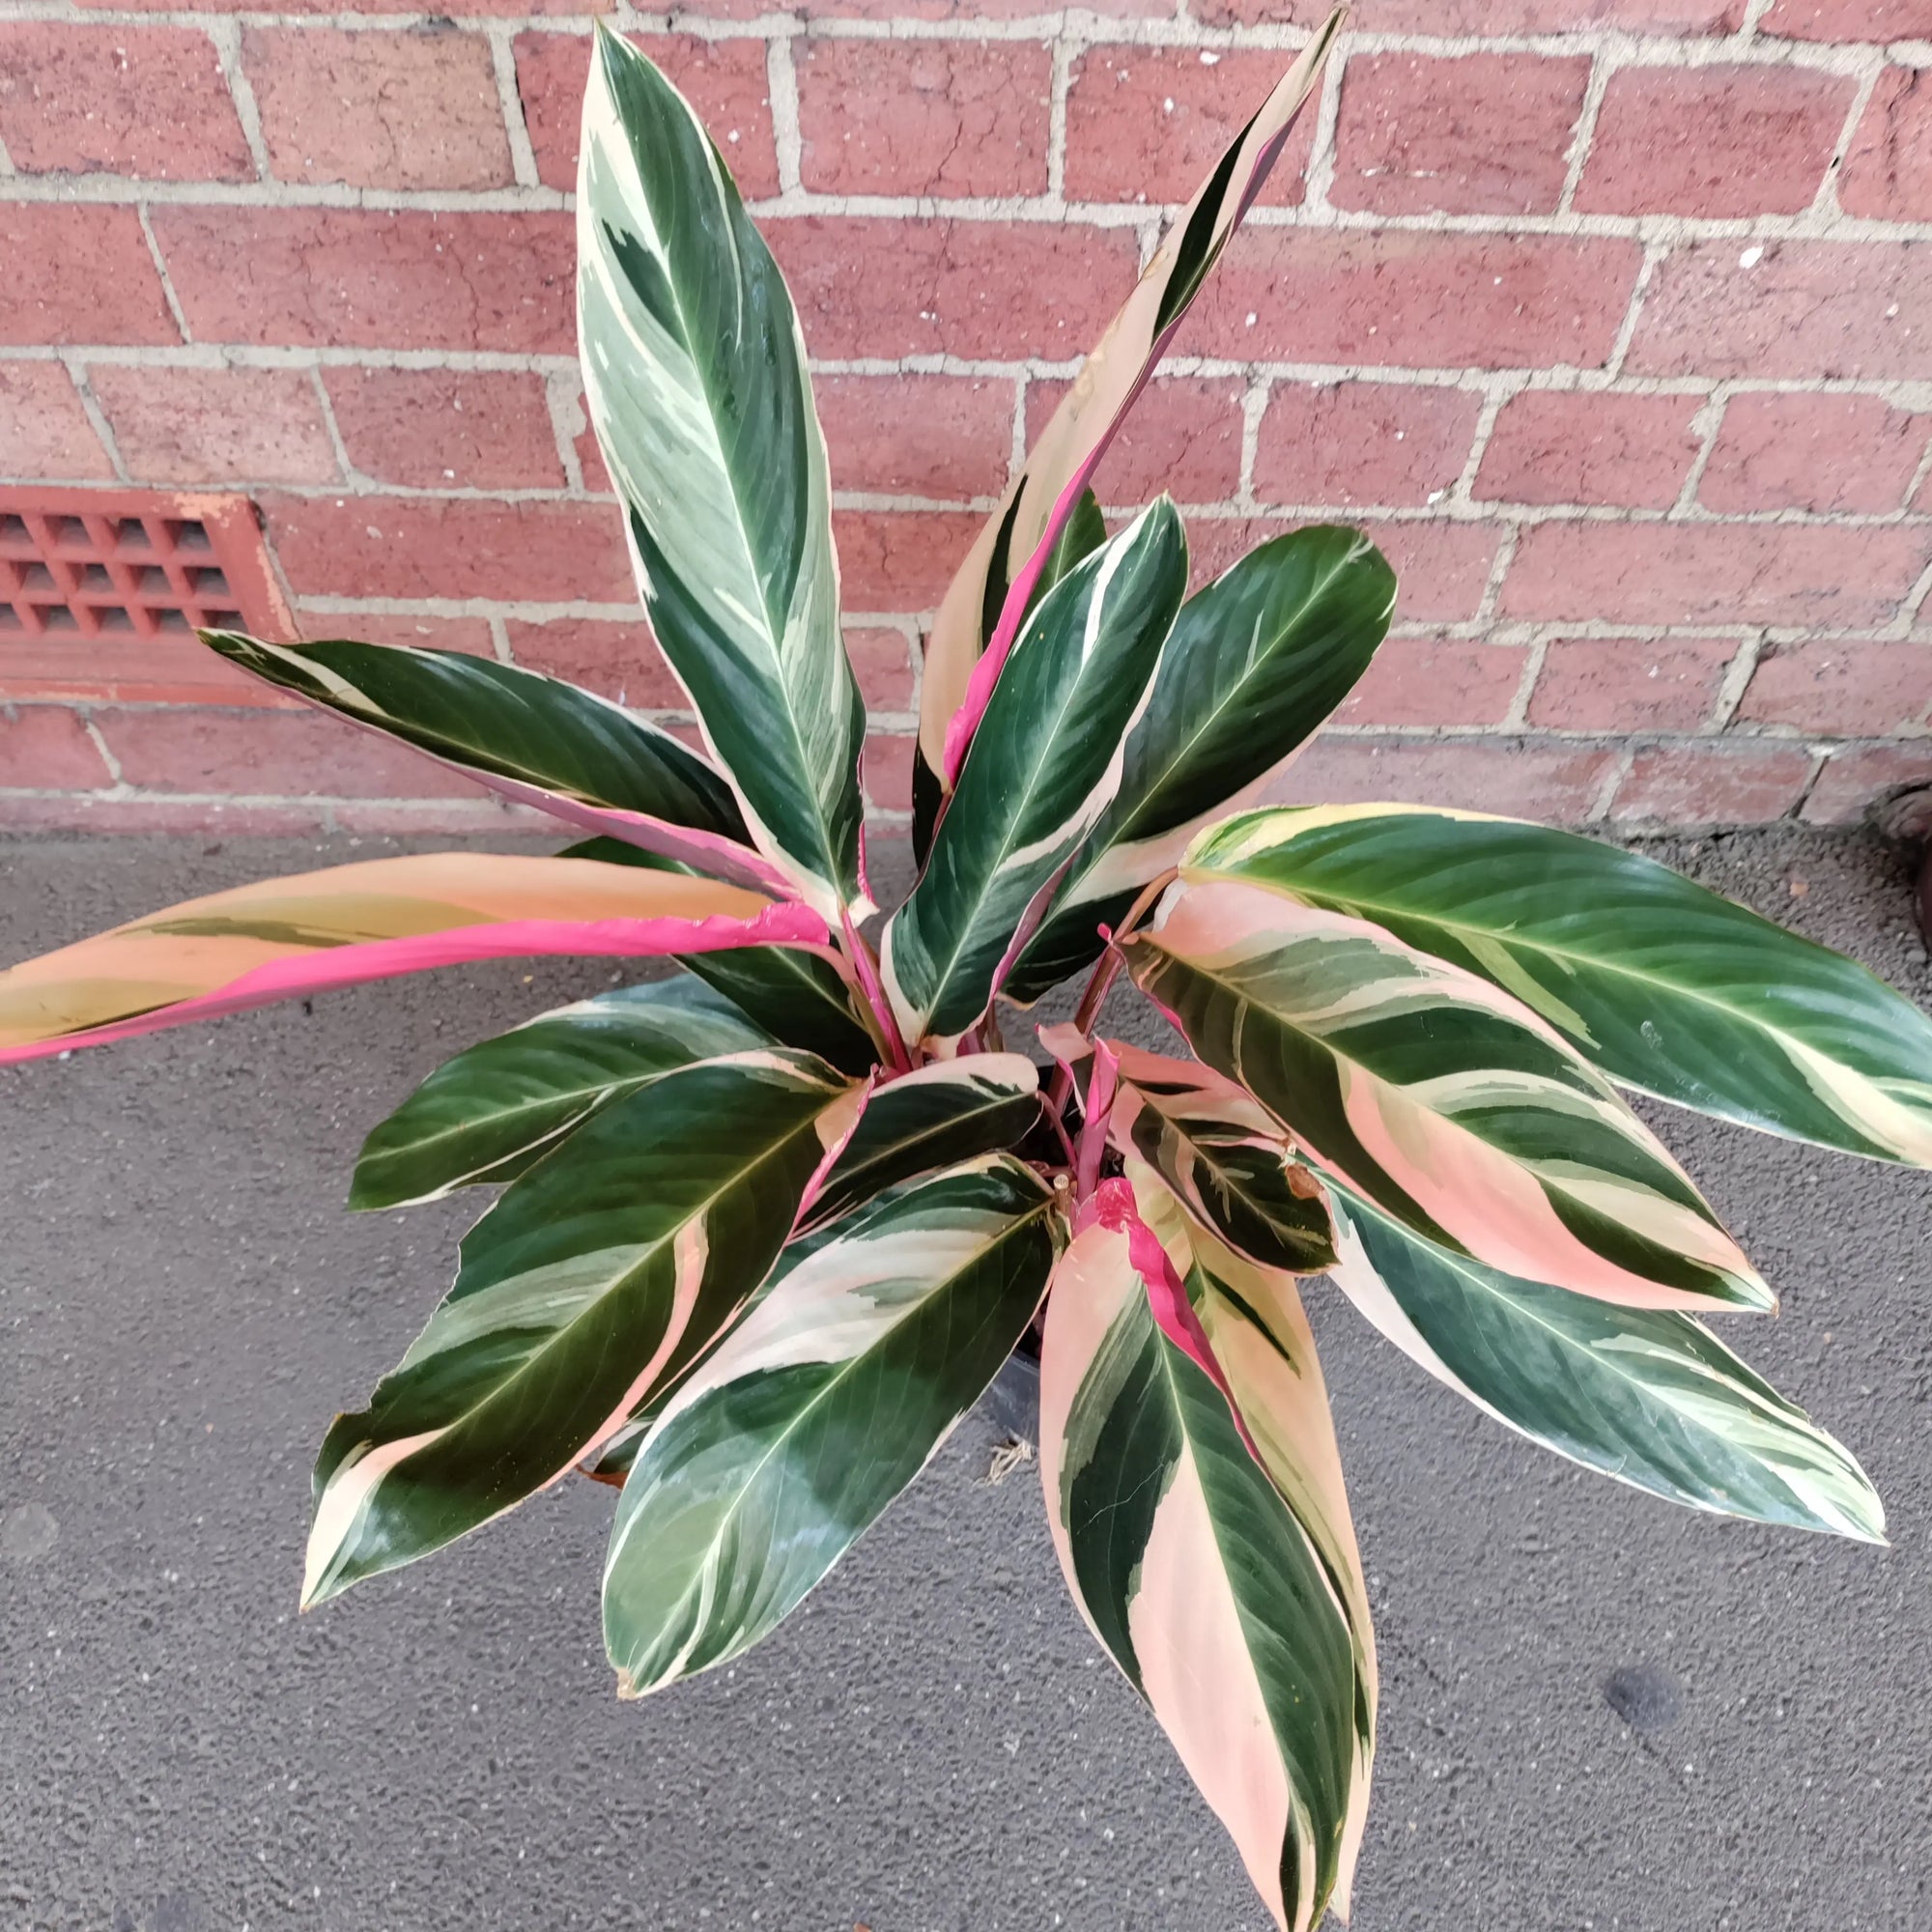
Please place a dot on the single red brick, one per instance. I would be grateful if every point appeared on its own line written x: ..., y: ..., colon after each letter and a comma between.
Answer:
x: 1590, y: 447
x: 724, y: 80
x: 1887, y: 172
x: 330, y: 277
x: 125, y: 670
x: 1713, y: 140
x: 45, y: 747
x: 1733, y: 784
x: 900, y: 560
x: 1414, y: 299
x: 1629, y: 684
x: 937, y: 286
x: 615, y: 658
x: 146, y: 101
x: 1473, y: 134
x: 43, y: 431
x: 882, y: 661
x: 1148, y: 123
x: 1805, y: 309
x: 1183, y: 437
x: 1876, y: 20
x: 1842, y: 689
x: 1642, y: 572
x: 1517, y: 777
x: 78, y: 273
x: 433, y: 428
x: 225, y: 426
x: 1431, y: 681
x: 923, y: 117
x: 1853, y: 780
x: 409, y: 111
x: 267, y: 753
x: 887, y: 771
x: 457, y: 547
x: 1791, y: 452
x: 1488, y: 17
x: 1442, y: 567
x: 924, y: 436
x: 1399, y: 444
x: 468, y: 635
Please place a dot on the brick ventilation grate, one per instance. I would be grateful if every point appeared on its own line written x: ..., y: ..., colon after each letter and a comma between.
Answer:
x: 103, y: 590
x: 93, y: 577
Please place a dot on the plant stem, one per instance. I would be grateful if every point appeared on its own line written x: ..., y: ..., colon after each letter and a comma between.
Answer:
x: 1099, y: 983
x: 885, y: 1023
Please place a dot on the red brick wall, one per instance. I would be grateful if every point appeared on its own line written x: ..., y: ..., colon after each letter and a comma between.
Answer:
x: 1612, y: 319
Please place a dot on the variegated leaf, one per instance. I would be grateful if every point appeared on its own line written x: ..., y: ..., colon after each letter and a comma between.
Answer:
x: 1222, y: 1152
x: 534, y: 739
x: 1437, y: 1095
x: 1648, y: 1397
x: 594, y: 1280
x: 1196, y: 1577
x: 1044, y: 766
x: 695, y: 371
x: 980, y: 618
x: 1666, y: 986
x: 942, y: 1113
x: 1254, y: 664
x: 286, y: 938
x: 781, y: 1449
x: 802, y: 996
x: 1263, y: 1348
x: 495, y: 1110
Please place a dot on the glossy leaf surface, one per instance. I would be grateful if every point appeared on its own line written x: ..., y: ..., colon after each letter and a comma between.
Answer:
x: 535, y: 739
x: 491, y: 1111
x: 695, y: 371
x: 1254, y: 664
x: 594, y: 1280
x: 965, y: 656
x: 944, y: 1112
x: 1223, y: 1155
x: 287, y: 938
x: 1439, y: 1095
x: 1197, y: 1578
x: 820, y: 1407
x: 1666, y: 986
x: 1046, y: 764
x: 1648, y: 1397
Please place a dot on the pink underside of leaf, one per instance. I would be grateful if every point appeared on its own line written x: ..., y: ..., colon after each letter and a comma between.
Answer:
x: 835, y: 1146
x: 1112, y: 1207
x: 1095, y: 1112
x: 323, y: 971
x: 965, y: 720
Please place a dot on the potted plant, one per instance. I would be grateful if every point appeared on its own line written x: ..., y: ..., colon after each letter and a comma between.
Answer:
x: 768, y: 1228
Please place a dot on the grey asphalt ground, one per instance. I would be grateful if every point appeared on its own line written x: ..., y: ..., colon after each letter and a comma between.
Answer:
x: 1597, y: 1710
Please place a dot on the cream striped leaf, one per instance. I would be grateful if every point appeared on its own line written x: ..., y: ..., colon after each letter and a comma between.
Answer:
x: 940, y: 1114
x: 1255, y: 663
x: 1198, y: 1578
x: 1045, y: 762
x: 1648, y: 1397
x: 1439, y: 1095
x: 595, y: 1280
x: 984, y: 606
x: 1667, y: 987
x: 534, y: 739
x: 696, y: 375
x: 491, y: 1112
x: 1258, y: 1332
x: 874, y: 1339
x: 1223, y: 1153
